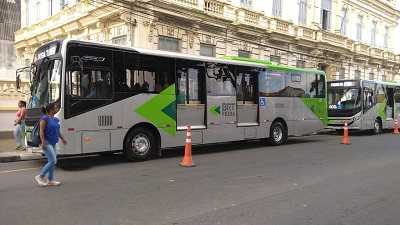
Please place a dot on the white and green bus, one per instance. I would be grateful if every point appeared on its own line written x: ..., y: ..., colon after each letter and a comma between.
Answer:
x: 140, y: 101
x: 365, y: 104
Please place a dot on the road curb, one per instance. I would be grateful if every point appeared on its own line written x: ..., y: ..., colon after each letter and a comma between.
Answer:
x: 12, y: 157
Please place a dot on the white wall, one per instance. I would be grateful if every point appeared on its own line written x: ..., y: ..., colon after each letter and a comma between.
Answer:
x: 9, y: 61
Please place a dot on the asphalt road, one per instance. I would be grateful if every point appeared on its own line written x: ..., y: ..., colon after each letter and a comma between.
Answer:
x: 311, y: 180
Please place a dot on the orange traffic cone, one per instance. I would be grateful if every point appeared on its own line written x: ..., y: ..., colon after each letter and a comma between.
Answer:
x: 187, y: 159
x: 396, y: 127
x: 345, y: 139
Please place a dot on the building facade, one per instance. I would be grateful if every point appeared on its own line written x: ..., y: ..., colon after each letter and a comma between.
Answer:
x: 10, y: 22
x: 346, y: 38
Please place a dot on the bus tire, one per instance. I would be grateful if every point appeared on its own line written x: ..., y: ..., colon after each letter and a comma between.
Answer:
x: 278, y: 134
x: 377, y: 127
x: 140, y: 145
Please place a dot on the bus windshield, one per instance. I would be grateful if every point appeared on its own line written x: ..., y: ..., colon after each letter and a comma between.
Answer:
x: 348, y: 98
x: 45, y: 85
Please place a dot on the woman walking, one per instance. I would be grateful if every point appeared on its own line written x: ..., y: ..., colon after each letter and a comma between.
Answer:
x: 49, y: 134
x: 19, y: 124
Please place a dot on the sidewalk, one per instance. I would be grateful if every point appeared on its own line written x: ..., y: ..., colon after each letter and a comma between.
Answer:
x: 8, y: 152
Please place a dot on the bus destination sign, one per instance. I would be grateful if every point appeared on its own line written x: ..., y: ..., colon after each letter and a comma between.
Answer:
x: 344, y: 84
x: 50, y: 50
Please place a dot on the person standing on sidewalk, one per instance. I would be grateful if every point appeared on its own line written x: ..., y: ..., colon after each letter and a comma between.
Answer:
x: 19, y: 124
x: 49, y: 135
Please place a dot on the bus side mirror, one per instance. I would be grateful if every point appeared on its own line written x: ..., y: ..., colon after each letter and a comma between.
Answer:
x: 18, y: 82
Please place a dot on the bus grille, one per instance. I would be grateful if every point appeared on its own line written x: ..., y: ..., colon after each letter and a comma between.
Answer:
x: 105, y: 121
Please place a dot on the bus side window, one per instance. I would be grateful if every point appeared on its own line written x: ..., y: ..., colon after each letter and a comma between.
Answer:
x: 75, y: 83
x: 220, y: 80
x: 189, y: 82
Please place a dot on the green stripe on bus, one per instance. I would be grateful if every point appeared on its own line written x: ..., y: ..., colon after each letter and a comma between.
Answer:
x: 318, y: 107
x: 161, y: 110
x: 382, y: 111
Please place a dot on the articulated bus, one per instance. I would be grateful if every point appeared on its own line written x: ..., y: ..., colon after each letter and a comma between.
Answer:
x: 140, y: 101
x: 365, y: 104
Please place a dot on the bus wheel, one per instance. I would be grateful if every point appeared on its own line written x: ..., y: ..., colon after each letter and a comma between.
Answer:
x: 140, y: 145
x: 278, y: 134
x: 377, y: 127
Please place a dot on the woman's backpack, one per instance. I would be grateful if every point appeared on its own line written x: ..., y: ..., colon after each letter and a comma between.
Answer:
x: 35, y: 133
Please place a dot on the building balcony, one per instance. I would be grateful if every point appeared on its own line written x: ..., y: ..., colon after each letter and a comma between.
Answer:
x: 251, y: 18
x: 280, y: 30
x: 362, y: 51
x: 9, y: 92
x: 333, y: 39
x: 304, y: 33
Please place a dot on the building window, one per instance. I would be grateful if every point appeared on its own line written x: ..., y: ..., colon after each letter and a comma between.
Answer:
x: 27, y: 13
x: 63, y: 4
x: 207, y: 50
x: 343, y: 22
x: 359, y: 28
x: 38, y: 10
x: 246, y: 4
x: 373, y: 31
x: 341, y: 73
x: 385, y: 37
x: 303, y: 12
x: 50, y: 5
x: 371, y: 76
x: 169, y: 44
x: 383, y: 77
x: 277, y: 8
x: 357, y: 74
x: 326, y: 15
x: 275, y: 59
x: 300, y: 64
x: 120, y: 40
x: 244, y: 54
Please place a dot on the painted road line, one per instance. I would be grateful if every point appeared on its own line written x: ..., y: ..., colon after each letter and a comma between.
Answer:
x: 18, y: 170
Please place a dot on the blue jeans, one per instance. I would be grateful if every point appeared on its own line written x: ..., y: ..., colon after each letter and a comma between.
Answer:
x: 51, y: 154
x: 19, y: 129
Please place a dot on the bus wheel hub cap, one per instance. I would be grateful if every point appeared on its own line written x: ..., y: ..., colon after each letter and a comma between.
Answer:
x: 140, y: 144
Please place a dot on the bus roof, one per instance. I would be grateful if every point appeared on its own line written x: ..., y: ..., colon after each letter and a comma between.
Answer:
x: 295, y: 69
x: 273, y: 65
x: 249, y: 60
x: 392, y: 83
x: 168, y: 54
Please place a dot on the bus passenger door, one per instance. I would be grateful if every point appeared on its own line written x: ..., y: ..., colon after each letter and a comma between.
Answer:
x: 246, y: 98
x: 190, y: 100
x: 397, y: 102
x: 390, y: 103
x: 221, y: 103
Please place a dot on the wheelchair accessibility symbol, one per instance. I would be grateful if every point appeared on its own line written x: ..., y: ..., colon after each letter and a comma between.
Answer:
x: 262, y: 101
